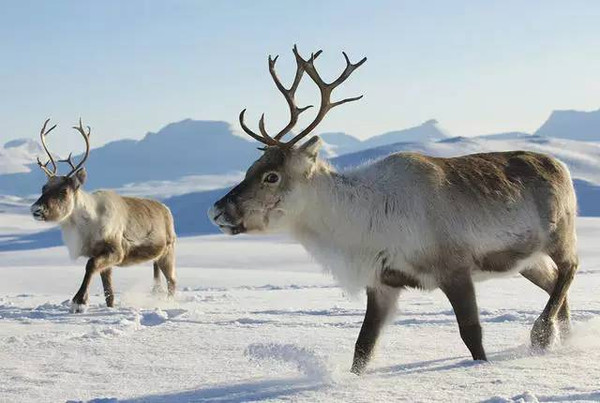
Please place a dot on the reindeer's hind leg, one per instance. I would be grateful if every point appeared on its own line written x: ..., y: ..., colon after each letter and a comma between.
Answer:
x: 544, y: 274
x: 563, y: 251
x: 166, y: 263
x: 109, y: 295
x: 157, y: 287
x: 544, y: 328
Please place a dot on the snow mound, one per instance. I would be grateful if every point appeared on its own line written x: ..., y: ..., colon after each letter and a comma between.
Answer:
x: 16, y: 155
x: 153, y: 318
x: 306, y: 361
x: 525, y: 397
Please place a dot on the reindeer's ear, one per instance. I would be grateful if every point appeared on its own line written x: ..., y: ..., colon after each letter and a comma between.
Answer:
x: 79, y: 178
x: 311, y: 147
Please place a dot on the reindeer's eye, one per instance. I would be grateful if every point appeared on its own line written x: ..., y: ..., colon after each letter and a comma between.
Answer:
x: 271, y: 177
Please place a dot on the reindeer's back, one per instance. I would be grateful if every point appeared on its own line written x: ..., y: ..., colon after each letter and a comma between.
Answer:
x: 148, y: 219
x: 503, y: 195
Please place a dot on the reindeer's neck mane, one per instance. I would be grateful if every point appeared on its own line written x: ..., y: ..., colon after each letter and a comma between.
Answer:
x: 76, y: 226
x: 334, y: 203
x: 345, y: 222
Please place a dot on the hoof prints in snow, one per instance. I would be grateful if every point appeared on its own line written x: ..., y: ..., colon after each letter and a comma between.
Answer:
x: 106, y: 322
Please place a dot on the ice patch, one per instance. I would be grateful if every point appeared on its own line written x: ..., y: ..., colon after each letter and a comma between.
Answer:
x: 306, y: 361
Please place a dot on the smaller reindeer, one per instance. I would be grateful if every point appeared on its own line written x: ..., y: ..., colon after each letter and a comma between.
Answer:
x: 109, y: 229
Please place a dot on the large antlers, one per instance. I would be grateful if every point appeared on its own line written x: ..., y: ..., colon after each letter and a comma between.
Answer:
x: 74, y: 168
x: 44, y: 167
x: 326, y: 105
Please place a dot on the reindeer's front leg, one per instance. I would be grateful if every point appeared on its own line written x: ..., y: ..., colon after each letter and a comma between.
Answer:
x: 109, y: 295
x: 110, y: 255
x: 381, y: 302
x: 461, y: 294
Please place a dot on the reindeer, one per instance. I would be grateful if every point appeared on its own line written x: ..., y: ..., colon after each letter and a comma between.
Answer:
x: 109, y: 229
x: 411, y: 220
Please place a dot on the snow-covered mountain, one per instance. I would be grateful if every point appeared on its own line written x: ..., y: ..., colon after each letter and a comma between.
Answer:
x: 17, y: 155
x: 341, y: 143
x: 574, y: 125
x: 428, y: 131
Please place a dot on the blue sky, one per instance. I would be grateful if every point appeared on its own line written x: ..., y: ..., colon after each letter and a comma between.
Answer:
x: 129, y: 67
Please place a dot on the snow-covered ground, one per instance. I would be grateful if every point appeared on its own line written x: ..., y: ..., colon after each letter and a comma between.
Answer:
x: 255, y: 319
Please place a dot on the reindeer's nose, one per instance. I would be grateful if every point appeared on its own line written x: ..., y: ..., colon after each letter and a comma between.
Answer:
x: 37, y: 211
x: 214, y: 213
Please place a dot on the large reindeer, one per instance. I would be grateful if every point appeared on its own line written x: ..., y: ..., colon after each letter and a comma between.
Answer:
x: 109, y: 229
x: 412, y: 221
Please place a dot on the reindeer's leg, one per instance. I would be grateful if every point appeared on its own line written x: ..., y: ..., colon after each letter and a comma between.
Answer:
x: 381, y: 302
x: 544, y: 274
x: 106, y: 276
x: 544, y: 328
x: 166, y: 263
x: 109, y: 256
x: 461, y: 293
x: 157, y: 288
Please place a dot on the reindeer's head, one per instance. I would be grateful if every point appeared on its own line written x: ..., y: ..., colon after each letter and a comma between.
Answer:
x: 58, y: 194
x: 266, y: 198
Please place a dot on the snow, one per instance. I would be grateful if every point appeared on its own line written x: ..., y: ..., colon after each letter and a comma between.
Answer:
x: 17, y: 155
x: 256, y: 319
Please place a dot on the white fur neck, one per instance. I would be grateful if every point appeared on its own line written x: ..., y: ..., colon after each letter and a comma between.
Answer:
x: 74, y: 226
x: 334, y: 228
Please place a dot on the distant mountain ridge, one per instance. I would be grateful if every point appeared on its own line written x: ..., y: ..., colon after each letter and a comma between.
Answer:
x: 183, y: 148
x: 191, y: 147
x: 583, y: 159
x: 16, y: 155
x: 571, y: 124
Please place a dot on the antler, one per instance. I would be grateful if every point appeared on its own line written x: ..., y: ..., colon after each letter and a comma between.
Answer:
x: 289, y: 95
x: 326, y: 90
x: 69, y: 160
x: 44, y: 167
x: 86, y: 137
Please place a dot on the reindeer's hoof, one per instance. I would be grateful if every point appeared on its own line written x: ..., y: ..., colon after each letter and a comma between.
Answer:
x: 358, y: 367
x: 544, y: 333
x: 158, y: 289
x: 78, y: 308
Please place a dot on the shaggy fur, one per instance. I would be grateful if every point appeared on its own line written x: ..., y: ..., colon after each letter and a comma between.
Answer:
x: 411, y: 220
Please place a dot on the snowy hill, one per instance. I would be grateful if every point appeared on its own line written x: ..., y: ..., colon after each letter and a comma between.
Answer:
x: 428, y: 131
x: 338, y: 144
x: 574, y: 125
x: 341, y: 143
x: 16, y: 155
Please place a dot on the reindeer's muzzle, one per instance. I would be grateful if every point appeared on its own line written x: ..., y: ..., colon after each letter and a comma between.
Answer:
x: 225, y: 215
x: 38, y: 212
